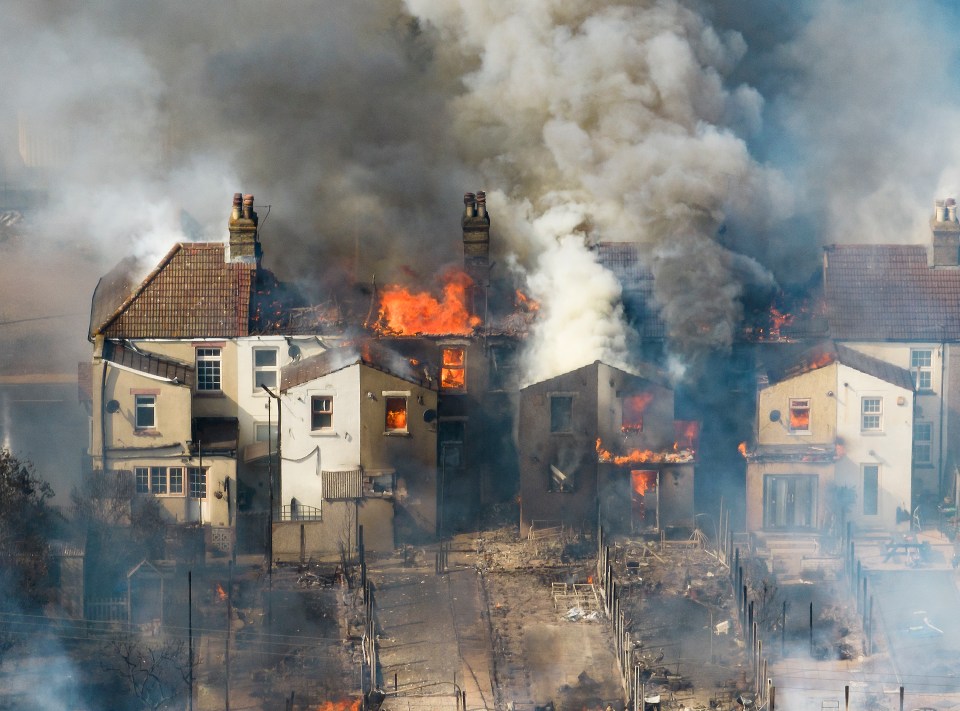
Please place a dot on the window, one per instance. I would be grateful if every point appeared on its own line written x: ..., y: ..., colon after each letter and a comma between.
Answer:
x: 871, y: 489
x: 631, y: 416
x: 265, y: 370
x: 142, y: 475
x: 263, y: 432
x: 396, y: 414
x: 561, y: 481
x: 159, y: 480
x: 561, y: 413
x: 321, y: 412
x: 871, y: 412
x: 146, y: 411
x: 453, y: 374
x: 503, y: 370
x: 198, y: 482
x: 800, y: 415
x: 208, y: 369
x: 921, y: 365
x: 922, y: 442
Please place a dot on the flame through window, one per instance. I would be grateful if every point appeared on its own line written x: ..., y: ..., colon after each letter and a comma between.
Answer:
x: 453, y: 369
x: 800, y: 415
x: 632, y: 412
x: 396, y: 414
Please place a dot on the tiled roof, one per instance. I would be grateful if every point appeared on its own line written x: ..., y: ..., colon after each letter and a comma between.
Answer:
x: 369, y: 353
x: 887, y: 292
x: 636, y: 280
x: 192, y: 293
x: 181, y: 373
x: 827, y: 353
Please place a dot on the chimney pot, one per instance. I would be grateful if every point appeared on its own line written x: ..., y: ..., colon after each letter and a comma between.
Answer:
x: 248, y: 206
x: 237, y: 201
x: 481, y: 203
x: 468, y: 204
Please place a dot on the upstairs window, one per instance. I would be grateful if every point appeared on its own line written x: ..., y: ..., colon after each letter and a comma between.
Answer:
x: 208, y: 370
x: 321, y: 412
x: 631, y: 415
x: 145, y: 414
x: 395, y: 419
x: 871, y: 414
x: 265, y: 368
x: 561, y: 413
x: 453, y: 371
x: 921, y: 366
x: 800, y: 415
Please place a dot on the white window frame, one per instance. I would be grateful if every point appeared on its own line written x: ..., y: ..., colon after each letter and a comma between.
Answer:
x: 197, y: 482
x: 314, y: 400
x: 261, y: 370
x: 141, y: 478
x: 921, y: 367
x: 921, y: 444
x: 799, y: 403
x: 265, y: 431
x: 405, y: 397
x: 209, y: 357
x: 159, y: 481
x: 143, y: 404
x: 871, y: 414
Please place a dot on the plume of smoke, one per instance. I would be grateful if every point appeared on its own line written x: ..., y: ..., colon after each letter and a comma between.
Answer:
x: 621, y: 114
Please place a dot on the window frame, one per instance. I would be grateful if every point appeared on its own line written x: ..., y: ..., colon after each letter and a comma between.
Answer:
x: 205, y: 358
x: 922, y: 371
x: 556, y: 427
x: 396, y: 397
x: 460, y: 367
x: 314, y: 413
x: 259, y: 370
x: 158, y: 480
x: 926, y: 442
x: 143, y: 403
x: 197, y: 482
x: 873, y: 415
x: 797, y: 404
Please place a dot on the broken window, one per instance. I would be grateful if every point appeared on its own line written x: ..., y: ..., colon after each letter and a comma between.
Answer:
x: 503, y: 367
x: 921, y: 366
x: 800, y: 415
x: 871, y: 411
x: 561, y: 480
x: 871, y: 489
x: 146, y: 411
x: 321, y: 412
x: 632, y: 407
x: 453, y: 369
x: 396, y: 414
x: 561, y: 413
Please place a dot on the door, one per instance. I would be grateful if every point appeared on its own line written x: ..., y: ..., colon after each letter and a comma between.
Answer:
x: 789, y: 501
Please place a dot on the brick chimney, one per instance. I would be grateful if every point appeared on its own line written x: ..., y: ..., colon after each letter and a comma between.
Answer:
x: 244, y: 242
x: 946, y: 234
x: 476, y: 237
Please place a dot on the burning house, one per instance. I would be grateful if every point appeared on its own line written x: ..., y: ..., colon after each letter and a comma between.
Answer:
x: 599, y: 441
x: 833, y: 435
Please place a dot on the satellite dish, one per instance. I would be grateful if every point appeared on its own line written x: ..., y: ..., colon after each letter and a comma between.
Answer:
x: 429, y: 416
x: 774, y: 415
x: 294, y: 352
x: 112, y: 406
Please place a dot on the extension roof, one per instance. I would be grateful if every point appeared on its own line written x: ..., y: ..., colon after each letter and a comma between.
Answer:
x: 828, y: 353
x: 636, y: 280
x: 889, y: 293
x: 192, y: 293
x: 369, y: 353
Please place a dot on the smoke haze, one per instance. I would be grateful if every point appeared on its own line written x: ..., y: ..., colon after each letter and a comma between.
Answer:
x: 730, y: 139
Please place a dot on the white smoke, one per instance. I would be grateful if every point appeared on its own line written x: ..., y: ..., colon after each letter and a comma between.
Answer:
x: 612, y: 122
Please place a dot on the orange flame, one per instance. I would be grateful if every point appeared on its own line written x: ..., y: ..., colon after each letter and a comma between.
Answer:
x: 632, y: 412
x: 778, y: 320
x: 405, y: 313
x: 221, y: 593
x: 525, y: 303
x: 345, y: 705
x: 687, y: 433
x: 643, y: 456
x: 452, y: 371
x: 642, y: 480
x: 396, y: 418
x: 820, y: 361
x: 742, y: 448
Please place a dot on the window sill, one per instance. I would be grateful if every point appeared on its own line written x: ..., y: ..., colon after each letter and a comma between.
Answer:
x: 398, y: 433
x: 923, y: 465
x: 210, y: 393
x: 146, y: 433
x: 872, y: 433
x: 323, y: 433
x: 801, y: 433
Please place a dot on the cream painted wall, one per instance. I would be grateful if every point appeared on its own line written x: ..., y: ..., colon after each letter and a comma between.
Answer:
x: 813, y: 385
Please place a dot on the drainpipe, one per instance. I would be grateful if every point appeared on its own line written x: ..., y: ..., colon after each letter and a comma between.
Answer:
x: 943, y: 369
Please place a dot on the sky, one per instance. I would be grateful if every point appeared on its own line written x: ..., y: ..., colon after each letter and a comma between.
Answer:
x: 731, y: 139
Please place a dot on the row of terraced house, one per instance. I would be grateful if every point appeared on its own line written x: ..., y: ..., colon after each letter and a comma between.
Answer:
x: 268, y: 423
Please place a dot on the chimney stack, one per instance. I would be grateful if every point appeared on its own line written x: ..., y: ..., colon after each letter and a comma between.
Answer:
x: 946, y: 234
x: 476, y: 237
x: 244, y: 241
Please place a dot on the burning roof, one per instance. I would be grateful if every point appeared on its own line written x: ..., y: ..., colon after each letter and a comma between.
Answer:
x: 370, y: 353
x: 827, y: 353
